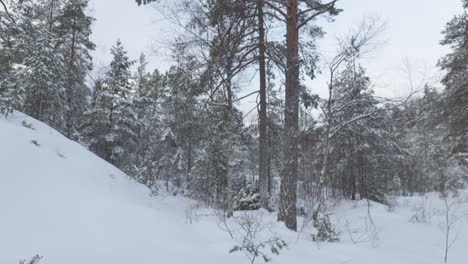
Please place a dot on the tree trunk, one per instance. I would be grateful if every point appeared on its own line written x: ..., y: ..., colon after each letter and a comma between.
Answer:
x: 288, y: 195
x: 70, y: 89
x: 353, y: 175
x: 270, y: 158
x: 323, y: 171
x: 107, y: 147
x: 189, y: 161
x: 228, y: 119
x: 262, y: 117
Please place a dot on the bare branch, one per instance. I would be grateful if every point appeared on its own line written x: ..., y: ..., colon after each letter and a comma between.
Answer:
x: 7, y: 12
x: 321, y: 9
x: 245, y: 96
x: 276, y: 8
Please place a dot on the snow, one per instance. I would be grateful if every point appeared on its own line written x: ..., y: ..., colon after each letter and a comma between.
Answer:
x: 61, y: 201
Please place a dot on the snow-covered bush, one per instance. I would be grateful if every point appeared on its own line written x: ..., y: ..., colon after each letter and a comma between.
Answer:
x: 392, y: 203
x: 326, y: 231
x: 248, y: 198
x: 258, y: 250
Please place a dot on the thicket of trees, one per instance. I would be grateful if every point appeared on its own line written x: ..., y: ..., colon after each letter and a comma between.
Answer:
x: 182, y: 129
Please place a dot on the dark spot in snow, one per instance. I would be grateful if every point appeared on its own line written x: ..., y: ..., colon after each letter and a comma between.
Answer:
x: 27, y: 125
x: 35, y: 143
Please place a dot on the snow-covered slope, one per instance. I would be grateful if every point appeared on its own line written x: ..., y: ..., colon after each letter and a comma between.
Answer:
x: 61, y: 201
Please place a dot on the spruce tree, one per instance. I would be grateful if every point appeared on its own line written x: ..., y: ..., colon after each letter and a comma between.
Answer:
x: 42, y: 80
x: 455, y: 80
x: 11, y: 92
x: 111, y: 123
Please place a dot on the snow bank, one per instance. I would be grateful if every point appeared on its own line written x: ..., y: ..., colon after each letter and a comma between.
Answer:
x: 61, y: 201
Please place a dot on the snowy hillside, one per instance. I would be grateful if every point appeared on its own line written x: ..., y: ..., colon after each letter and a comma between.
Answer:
x: 61, y: 201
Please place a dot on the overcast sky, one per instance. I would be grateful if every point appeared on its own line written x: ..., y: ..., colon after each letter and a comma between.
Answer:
x: 413, y: 32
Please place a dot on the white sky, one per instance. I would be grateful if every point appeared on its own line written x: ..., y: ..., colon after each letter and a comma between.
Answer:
x: 413, y: 33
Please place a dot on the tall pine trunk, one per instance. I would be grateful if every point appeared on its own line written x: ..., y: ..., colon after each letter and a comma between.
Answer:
x: 263, y: 171
x: 288, y: 195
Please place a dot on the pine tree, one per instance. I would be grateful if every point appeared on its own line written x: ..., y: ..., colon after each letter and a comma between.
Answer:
x: 296, y: 14
x: 36, y: 46
x: 362, y: 145
x: 142, y: 77
x: 45, y: 94
x: 111, y: 128
x: 49, y: 39
x: 455, y: 81
x: 34, y: 84
x: 11, y: 92
x: 424, y: 131
x: 75, y: 30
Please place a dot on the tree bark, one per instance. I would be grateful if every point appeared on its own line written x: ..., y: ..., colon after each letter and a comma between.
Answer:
x: 70, y: 89
x: 228, y: 119
x: 262, y: 117
x: 288, y: 195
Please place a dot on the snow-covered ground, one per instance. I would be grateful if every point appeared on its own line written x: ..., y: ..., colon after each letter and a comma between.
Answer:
x: 61, y: 201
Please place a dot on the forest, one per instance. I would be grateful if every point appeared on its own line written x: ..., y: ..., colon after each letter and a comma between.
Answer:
x: 182, y: 131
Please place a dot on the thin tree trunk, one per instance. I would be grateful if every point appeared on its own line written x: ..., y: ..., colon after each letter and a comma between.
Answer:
x: 263, y: 131
x: 353, y: 175
x: 189, y: 161
x: 270, y: 157
x: 69, y: 125
x: 228, y: 119
x: 288, y: 195
x: 323, y: 172
x: 108, y: 148
x: 447, y: 228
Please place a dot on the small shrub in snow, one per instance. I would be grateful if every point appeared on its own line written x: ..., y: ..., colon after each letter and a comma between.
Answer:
x: 191, y: 212
x: 391, y: 203
x: 247, y: 230
x: 363, y: 232
x: 258, y: 250
x: 325, y: 230
x: 27, y: 125
x: 423, y: 212
x: 34, y: 260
